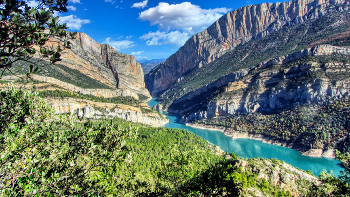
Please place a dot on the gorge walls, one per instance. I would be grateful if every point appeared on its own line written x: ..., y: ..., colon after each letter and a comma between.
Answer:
x: 236, y: 27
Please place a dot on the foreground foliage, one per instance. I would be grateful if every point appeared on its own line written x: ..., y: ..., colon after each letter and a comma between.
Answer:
x: 25, y: 31
x: 43, y: 154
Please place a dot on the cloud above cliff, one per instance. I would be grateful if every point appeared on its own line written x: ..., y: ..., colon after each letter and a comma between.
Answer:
x: 179, y: 21
x: 158, y: 38
x: 119, y: 45
x: 140, y: 5
x: 137, y: 52
x: 73, y: 22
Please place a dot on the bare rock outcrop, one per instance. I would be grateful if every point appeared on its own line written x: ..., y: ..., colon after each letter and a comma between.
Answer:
x: 103, y: 63
x: 277, y: 173
x: 126, y: 70
x: 92, y: 109
x: 274, y: 87
x: 236, y: 27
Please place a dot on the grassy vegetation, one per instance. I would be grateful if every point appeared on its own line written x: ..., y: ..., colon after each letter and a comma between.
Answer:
x: 128, y: 100
x: 62, y: 73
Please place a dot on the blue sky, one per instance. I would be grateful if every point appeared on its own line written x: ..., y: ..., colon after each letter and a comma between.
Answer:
x: 149, y: 29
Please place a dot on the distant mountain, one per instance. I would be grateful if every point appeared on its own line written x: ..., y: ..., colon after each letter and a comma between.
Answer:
x: 148, y: 65
x: 279, y: 70
x: 92, y: 80
x: 302, y: 21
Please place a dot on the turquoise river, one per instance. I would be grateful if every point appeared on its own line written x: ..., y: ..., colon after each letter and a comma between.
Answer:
x: 249, y: 148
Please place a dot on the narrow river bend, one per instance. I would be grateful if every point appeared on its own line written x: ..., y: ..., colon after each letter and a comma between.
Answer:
x: 248, y: 148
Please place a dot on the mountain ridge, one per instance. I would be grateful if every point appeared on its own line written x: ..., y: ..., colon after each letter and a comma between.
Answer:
x: 232, y: 29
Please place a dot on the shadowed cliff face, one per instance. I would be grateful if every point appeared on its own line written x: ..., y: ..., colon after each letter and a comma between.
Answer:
x: 124, y: 67
x: 236, y: 27
x: 104, y: 64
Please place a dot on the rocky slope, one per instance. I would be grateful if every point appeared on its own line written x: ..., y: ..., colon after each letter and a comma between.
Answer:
x: 96, y: 110
x: 89, y: 64
x: 87, y: 102
x: 235, y: 28
x: 277, y: 173
x: 279, y: 84
x: 88, y: 74
x: 300, y: 101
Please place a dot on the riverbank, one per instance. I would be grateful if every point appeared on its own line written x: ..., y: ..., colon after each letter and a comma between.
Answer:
x: 267, y: 139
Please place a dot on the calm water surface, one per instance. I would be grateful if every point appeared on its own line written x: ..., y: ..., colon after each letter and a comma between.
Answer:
x: 249, y: 148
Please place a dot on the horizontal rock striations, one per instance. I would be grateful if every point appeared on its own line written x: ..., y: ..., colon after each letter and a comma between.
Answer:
x: 91, y: 109
x: 233, y: 29
x: 312, y: 75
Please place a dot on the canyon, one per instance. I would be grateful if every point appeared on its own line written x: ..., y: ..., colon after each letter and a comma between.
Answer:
x: 235, y: 28
x: 91, y: 70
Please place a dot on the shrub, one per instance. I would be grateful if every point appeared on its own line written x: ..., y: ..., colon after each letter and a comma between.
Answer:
x: 43, y: 154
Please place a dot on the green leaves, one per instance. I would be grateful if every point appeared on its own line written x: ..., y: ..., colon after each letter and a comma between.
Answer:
x: 23, y: 29
x: 45, y: 154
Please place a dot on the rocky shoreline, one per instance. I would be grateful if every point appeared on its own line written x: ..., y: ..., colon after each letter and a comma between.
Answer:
x: 267, y: 139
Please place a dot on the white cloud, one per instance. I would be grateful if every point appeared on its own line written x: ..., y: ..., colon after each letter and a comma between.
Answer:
x: 184, y: 16
x: 128, y: 37
x: 74, y: 1
x: 137, y: 52
x: 140, y: 4
x: 119, y: 45
x: 32, y: 4
x: 158, y: 38
x: 110, y: 1
x: 73, y: 22
x: 72, y: 8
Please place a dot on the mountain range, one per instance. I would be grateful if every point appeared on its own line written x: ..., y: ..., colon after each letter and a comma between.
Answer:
x: 269, y: 61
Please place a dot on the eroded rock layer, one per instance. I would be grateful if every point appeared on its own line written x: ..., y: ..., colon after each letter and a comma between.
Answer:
x: 307, y: 76
x: 236, y: 27
x: 104, y: 64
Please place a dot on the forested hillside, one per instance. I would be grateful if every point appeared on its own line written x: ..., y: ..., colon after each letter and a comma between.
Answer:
x: 64, y: 155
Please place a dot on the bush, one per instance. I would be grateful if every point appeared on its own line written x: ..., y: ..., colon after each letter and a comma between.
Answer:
x: 44, y: 154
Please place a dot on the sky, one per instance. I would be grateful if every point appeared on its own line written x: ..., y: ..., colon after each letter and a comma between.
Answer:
x: 147, y: 29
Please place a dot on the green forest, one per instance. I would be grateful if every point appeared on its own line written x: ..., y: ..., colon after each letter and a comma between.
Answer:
x: 43, y: 154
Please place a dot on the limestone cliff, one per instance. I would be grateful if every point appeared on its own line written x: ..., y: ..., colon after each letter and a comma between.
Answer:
x: 82, y: 102
x: 281, y: 83
x: 91, y: 109
x: 126, y: 70
x: 102, y: 63
x: 235, y: 28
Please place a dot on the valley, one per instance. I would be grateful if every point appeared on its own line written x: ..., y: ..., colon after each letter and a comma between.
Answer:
x: 256, y: 104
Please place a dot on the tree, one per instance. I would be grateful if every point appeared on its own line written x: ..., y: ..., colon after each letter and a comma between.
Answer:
x: 25, y: 30
x: 43, y: 154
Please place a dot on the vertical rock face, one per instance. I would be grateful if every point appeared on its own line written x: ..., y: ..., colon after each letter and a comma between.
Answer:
x: 103, y: 63
x: 236, y: 27
x: 126, y: 70
x: 85, y: 56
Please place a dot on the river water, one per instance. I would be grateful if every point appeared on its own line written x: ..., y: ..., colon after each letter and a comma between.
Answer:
x: 248, y: 148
